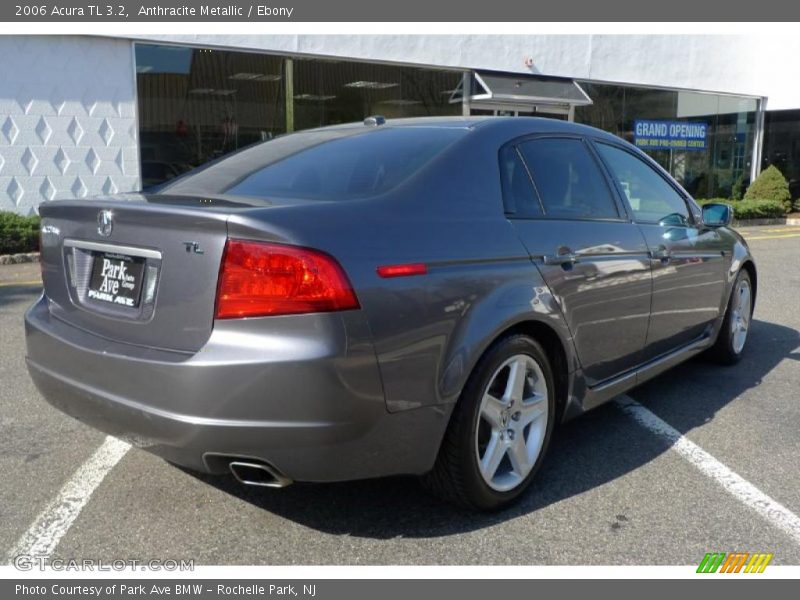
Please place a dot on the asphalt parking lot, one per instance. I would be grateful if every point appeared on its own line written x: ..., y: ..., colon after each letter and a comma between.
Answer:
x: 610, y: 492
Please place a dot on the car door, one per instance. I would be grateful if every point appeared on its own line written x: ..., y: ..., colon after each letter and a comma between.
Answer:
x: 686, y: 257
x: 591, y: 256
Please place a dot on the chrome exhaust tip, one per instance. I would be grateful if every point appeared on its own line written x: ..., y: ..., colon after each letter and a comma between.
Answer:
x: 257, y: 473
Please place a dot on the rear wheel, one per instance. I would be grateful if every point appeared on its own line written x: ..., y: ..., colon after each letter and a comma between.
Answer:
x: 732, y: 336
x: 500, y: 428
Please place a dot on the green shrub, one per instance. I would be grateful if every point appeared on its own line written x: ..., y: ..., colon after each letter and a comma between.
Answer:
x: 18, y: 233
x: 750, y: 209
x: 771, y: 185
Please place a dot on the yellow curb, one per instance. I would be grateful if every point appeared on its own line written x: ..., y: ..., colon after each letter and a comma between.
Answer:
x: 772, y: 237
x: 20, y: 283
x: 782, y: 229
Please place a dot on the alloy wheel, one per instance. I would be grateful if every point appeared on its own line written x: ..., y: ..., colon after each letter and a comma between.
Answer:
x: 512, y: 423
x: 740, y: 319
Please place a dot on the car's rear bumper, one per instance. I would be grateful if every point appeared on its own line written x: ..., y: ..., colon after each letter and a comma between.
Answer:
x: 300, y: 393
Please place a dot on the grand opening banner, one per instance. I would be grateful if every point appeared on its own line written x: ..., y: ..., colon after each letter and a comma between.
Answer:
x: 670, y: 135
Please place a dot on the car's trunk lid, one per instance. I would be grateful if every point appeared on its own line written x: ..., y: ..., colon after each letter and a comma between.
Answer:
x: 149, y: 279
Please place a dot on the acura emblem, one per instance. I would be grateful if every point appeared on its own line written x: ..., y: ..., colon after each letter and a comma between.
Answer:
x: 105, y: 224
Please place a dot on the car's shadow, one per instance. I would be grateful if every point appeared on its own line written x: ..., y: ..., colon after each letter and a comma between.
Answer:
x: 13, y: 293
x: 590, y: 451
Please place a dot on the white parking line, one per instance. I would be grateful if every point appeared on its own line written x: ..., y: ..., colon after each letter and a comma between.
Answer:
x: 55, y: 520
x: 738, y: 487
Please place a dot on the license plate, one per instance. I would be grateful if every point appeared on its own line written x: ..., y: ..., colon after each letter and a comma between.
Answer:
x: 116, y: 279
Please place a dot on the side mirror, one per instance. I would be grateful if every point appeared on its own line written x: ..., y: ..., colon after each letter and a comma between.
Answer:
x: 717, y: 215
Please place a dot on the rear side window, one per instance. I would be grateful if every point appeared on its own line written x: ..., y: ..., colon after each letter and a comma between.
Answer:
x: 568, y: 179
x: 351, y: 167
x: 651, y: 198
x: 518, y: 194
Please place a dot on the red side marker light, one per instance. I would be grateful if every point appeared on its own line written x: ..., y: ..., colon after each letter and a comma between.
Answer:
x: 407, y: 270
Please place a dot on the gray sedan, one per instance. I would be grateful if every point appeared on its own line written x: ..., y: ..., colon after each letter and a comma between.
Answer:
x: 425, y: 296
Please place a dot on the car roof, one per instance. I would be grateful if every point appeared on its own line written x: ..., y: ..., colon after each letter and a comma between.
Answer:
x: 513, y: 125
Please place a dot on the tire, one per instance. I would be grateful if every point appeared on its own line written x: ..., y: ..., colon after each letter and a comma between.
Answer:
x: 493, y: 447
x: 732, y: 336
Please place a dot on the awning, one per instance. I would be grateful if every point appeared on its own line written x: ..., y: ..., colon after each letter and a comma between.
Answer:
x: 503, y: 88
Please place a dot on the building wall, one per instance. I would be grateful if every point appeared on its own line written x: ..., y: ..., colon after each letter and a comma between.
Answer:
x: 68, y: 126
x: 67, y: 119
x: 735, y: 64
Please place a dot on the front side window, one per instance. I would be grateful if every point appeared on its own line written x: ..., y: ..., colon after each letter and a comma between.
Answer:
x: 651, y: 198
x: 568, y: 179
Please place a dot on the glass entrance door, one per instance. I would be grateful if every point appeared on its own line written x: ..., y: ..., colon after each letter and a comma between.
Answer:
x: 561, y: 116
x: 501, y: 110
x: 508, y: 94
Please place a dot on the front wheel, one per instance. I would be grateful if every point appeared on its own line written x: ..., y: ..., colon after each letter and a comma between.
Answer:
x: 732, y: 336
x: 500, y: 428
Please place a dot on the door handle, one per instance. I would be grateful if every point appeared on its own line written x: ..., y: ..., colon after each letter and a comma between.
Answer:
x: 563, y: 256
x: 661, y: 253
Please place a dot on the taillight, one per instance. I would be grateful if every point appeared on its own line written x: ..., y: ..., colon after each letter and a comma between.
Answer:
x: 260, y: 279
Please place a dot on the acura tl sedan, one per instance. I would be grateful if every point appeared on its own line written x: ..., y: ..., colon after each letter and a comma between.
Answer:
x: 423, y: 296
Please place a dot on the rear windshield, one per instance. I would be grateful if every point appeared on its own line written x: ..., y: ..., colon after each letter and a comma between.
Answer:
x: 325, y: 165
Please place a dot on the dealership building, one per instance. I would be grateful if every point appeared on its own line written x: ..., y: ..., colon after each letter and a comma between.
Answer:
x: 91, y: 115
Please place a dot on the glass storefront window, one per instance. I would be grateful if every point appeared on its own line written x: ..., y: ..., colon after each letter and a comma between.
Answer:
x: 717, y: 168
x: 329, y: 92
x: 197, y: 104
